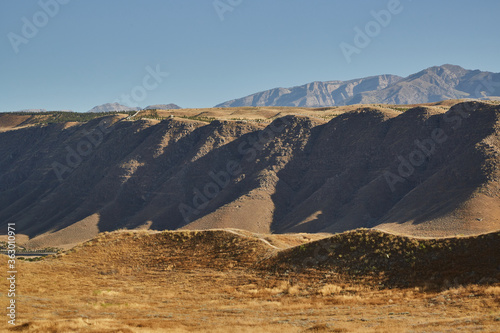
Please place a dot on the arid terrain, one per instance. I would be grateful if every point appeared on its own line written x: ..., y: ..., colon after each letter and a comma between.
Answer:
x: 232, y: 166
x: 428, y: 170
x: 364, y: 218
x: 237, y: 281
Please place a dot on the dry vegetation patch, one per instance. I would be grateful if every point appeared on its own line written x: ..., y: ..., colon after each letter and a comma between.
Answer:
x: 391, y: 260
x: 215, y: 281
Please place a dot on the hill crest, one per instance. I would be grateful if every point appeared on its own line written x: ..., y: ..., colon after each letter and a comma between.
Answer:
x: 284, y: 174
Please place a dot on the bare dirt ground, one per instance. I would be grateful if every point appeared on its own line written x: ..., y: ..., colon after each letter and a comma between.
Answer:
x: 215, y: 282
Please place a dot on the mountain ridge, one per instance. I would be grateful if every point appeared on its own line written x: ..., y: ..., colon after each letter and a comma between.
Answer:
x: 429, y: 85
x: 170, y: 106
x: 114, y: 107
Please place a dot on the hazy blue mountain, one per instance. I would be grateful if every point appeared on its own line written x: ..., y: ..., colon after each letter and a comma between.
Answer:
x: 110, y: 107
x: 163, y: 106
x: 31, y: 110
x: 429, y: 85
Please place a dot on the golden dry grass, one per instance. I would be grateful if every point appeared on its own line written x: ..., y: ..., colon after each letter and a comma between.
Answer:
x: 115, y: 284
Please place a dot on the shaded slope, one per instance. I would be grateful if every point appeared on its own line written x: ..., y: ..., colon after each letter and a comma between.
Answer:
x: 342, y: 185
x: 296, y: 174
x: 124, y: 176
x: 376, y: 257
x: 179, y: 250
x: 246, y: 201
x: 396, y: 260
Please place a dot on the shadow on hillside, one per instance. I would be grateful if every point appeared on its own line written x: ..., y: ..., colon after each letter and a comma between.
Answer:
x: 332, y: 175
x: 345, y: 180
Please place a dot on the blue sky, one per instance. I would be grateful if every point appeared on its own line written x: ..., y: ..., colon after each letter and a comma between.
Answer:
x: 91, y: 52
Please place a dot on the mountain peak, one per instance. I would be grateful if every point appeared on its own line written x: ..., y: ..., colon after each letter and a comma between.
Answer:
x: 451, y: 67
x: 170, y: 106
x: 445, y: 69
x: 112, y: 107
x: 429, y: 85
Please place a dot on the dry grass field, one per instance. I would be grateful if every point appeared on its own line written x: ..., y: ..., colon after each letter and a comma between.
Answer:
x: 230, y: 281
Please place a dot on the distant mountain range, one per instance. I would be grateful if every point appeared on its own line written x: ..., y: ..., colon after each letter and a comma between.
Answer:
x: 40, y: 110
x: 32, y: 110
x: 111, y: 107
x: 429, y: 85
x: 163, y: 106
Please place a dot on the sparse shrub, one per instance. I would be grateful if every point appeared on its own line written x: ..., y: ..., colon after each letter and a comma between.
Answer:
x: 329, y: 289
x: 293, y: 290
x: 494, y: 290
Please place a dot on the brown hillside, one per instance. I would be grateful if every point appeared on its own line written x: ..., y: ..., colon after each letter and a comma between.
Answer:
x: 233, y: 281
x: 370, y: 256
x: 396, y: 260
x: 313, y: 170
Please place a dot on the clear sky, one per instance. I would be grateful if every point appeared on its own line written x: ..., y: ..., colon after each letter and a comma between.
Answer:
x: 82, y: 53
